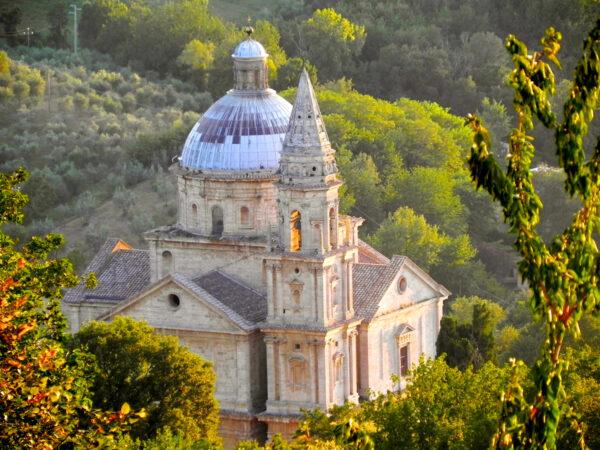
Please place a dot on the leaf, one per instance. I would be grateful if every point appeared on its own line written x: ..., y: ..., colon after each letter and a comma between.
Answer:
x: 125, y: 409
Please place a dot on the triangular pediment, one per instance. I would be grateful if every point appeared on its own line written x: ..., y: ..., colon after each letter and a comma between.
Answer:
x: 177, y: 303
x: 382, y: 289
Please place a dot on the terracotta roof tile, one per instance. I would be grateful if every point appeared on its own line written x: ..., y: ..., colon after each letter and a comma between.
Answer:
x: 368, y: 255
x: 370, y: 283
x: 245, y: 301
x: 121, y: 274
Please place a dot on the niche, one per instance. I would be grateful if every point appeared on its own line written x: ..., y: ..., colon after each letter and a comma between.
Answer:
x: 217, y: 220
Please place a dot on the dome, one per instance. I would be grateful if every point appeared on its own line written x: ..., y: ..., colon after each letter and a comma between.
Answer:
x: 248, y: 49
x: 241, y: 131
x: 244, y: 130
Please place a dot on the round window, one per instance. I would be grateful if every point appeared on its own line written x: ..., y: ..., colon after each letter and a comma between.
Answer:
x: 174, y: 301
x: 402, y: 284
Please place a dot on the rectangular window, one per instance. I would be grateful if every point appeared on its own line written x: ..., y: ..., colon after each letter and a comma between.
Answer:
x: 404, y: 360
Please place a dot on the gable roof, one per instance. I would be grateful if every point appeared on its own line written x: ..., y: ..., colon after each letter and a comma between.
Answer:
x: 121, y: 270
x: 239, y: 304
x: 245, y: 301
x: 371, y: 281
x: 368, y: 255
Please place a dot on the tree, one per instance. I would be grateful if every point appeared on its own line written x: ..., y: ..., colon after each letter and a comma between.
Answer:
x: 406, y: 233
x: 331, y: 41
x: 4, y: 63
x: 564, y: 276
x: 11, y: 18
x: 154, y: 372
x: 497, y: 121
x: 57, y: 18
x: 467, y: 335
x: 289, y: 73
x: 44, y: 390
x: 439, y: 406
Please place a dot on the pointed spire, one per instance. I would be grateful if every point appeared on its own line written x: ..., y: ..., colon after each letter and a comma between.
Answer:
x: 306, y: 128
x: 307, y: 157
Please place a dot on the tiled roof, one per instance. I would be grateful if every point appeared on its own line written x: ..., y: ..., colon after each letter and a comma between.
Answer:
x: 370, y: 283
x: 122, y: 272
x: 368, y: 255
x: 248, y: 303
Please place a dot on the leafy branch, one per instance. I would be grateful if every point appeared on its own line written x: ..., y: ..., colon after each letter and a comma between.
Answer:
x: 562, y: 275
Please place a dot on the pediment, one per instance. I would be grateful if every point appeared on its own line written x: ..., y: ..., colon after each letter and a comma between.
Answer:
x: 409, y: 286
x: 176, y: 303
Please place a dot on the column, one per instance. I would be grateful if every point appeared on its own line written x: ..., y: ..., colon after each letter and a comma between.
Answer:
x: 350, y: 289
x: 270, y: 292
x: 347, y: 364
x: 270, y: 344
x: 327, y: 371
x: 314, y: 352
x: 328, y: 307
x: 317, y: 304
x: 440, y: 313
x: 353, y: 361
x: 277, y: 371
x: 277, y: 297
x: 344, y: 283
x: 281, y: 385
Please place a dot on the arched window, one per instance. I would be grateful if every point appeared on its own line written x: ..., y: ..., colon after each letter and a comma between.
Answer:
x: 332, y: 228
x: 217, y: 220
x: 244, y: 216
x: 194, y: 215
x: 167, y: 263
x: 295, y: 231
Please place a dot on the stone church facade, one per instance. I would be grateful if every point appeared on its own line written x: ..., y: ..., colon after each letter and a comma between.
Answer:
x: 261, y: 274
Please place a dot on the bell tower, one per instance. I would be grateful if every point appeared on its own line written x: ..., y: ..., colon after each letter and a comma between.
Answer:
x: 308, y: 186
x: 310, y: 331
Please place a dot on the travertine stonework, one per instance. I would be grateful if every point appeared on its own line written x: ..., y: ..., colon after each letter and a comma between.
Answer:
x: 263, y: 276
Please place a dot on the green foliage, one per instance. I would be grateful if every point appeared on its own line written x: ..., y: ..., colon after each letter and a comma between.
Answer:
x: 180, y: 38
x: 19, y: 81
x: 331, y: 41
x: 406, y: 233
x: 467, y: 335
x: 440, y: 408
x: 289, y: 73
x: 95, y: 130
x: 165, y: 439
x: 44, y: 389
x: 563, y: 276
x: 154, y: 372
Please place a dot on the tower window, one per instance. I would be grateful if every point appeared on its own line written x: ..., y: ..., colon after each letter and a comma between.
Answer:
x: 194, y: 215
x: 167, y: 262
x: 295, y: 231
x: 244, y: 216
x: 217, y: 220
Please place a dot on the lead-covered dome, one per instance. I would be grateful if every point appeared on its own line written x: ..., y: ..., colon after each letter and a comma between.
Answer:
x: 243, y: 130
x: 249, y: 48
x: 239, y: 132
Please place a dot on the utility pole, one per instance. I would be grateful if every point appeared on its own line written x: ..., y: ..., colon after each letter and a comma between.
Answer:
x: 28, y: 32
x: 74, y: 12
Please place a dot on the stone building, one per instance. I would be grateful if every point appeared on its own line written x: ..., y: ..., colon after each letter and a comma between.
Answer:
x: 261, y: 274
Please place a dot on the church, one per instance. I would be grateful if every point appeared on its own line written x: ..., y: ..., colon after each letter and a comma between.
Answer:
x: 261, y: 274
